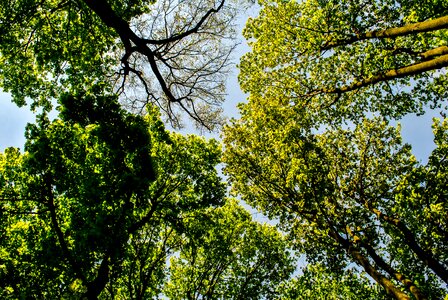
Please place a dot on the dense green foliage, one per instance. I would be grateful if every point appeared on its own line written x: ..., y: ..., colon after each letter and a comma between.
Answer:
x: 174, y: 54
x: 314, y: 147
x: 102, y: 198
x: 346, y: 195
x: 335, y: 60
x: 105, y: 203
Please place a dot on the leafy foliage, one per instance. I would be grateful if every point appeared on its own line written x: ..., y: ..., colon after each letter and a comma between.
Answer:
x: 229, y: 256
x: 337, y: 60
x: 107, y: 204
x: 338, y: 193
x: 314, y: 147
x: 102, y: 200
x: 317, y: 282
x: 169, y: 53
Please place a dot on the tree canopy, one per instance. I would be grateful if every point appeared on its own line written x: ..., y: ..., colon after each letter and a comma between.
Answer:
x: 338, y: 60
x: 314, y: 146
x: 105, y: 203
x: 171, y: 53
x: 102, y: 198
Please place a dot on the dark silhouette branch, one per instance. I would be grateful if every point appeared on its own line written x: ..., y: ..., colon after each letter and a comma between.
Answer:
x: 127, y: 36
x: 95, y: 287
x: 134, y: 44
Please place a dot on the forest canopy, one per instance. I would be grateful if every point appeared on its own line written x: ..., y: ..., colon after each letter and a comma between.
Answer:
x: 104, y: 202
x: 174, y: 54
x: 316, y: 148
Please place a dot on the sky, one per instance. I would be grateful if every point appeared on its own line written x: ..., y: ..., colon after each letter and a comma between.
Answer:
x: 415, y: 130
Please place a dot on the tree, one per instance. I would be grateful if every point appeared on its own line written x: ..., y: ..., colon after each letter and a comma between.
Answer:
x: 229, y: 256
x: 314, y: 149
x: 347, y: 196
x: 170, y: 53
x: 102, y: 200
x: 95, y: 192
x: 335, y: 61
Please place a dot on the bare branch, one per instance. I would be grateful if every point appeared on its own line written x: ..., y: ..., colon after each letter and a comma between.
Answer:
x: 195, y: 29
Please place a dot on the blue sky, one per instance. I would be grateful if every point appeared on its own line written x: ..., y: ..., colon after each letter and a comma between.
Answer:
x: 12, y: 122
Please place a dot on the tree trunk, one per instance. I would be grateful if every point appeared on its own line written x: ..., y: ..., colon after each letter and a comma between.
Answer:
x: 410, y: 70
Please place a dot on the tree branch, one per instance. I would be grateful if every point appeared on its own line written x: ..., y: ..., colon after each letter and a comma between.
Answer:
x: 410, y: 240
x: 409, y: 284
x: 52, y: 208
x: 364, y: 262
x: 409, y: 29
x: 418, y: 68
x: 95, y: 287
x: 186, y: 33
x: 112, y: 20
x: 134, y: 44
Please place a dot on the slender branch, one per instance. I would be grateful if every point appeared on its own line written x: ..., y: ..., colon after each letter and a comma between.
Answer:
x: 410, y: 240
x: 195, y: 29
x: 434, y: 52
x: 54, y: 220
x: 143, y: 221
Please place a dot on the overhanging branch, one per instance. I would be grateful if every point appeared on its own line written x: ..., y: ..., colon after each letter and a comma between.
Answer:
x: 127, y: 35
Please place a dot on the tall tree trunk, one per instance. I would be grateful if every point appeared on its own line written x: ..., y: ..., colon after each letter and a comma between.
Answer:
x: 408, y: 283
x: 405, y: 71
